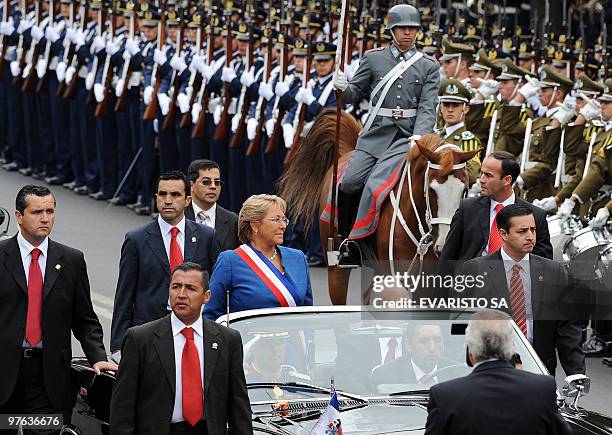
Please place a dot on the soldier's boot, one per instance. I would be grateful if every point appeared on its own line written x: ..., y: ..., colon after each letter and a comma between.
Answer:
x: 349, y: 251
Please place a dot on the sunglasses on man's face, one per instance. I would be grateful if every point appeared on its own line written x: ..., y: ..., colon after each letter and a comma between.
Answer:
x: 208, y: 182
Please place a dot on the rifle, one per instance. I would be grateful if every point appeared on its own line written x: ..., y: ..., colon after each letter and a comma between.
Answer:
x: 126, y: 71
x: 91, y: 100
x: 244, y: 102
x: 21, y: 52
x: 43, y: 82
x: 5, y: 41
x: 224, y: 123
x: 194, y: 85
x: 68, y: 51
x: 204, y: 94
x: 151, y: 111
x: 107, y: 72
x: 77, y: 63
x: 176, y: 77
x: 33, y: 53
x: 260, y: 110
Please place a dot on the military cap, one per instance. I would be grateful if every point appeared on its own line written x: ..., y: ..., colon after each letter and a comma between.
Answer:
x: 300, y: 47
x: 241, y: 31
x: 194, y: 20
x: 560, y: 58
x: 452, y: 49
x: 471, y: 34
x: 323, y: 51
x: 66, y: 2
x: 483, y: 63
x: 526, y: 51
x: 511, y: 71
x: 429, y: 46
x: 150, y: 15
x: 128, y: 8
x: 549, y: 79
x: 283, y: 39
x: 95, y: 4
x: 453, y: 91
x: 587, y: 86
x: 426, y: 15
x: 607, y: 92
x: 173, y: 18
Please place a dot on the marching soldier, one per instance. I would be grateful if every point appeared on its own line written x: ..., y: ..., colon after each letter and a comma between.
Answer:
x: 456, y: 60
x: 404, y: 108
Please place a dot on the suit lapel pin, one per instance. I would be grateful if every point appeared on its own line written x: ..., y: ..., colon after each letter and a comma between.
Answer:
x: 58, y: 266
x: 541, y: 278
x: 193, y: 240
x: 215, y: 345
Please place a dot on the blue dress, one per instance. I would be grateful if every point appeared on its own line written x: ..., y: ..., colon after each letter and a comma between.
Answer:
x: 247, y: 290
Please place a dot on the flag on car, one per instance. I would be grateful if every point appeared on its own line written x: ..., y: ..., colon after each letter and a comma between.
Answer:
x: 329, y: 421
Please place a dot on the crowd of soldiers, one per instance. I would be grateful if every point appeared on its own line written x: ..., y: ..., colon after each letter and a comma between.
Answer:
x: 100, y: 97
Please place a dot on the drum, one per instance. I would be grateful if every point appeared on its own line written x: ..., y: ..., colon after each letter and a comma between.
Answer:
x: 581, y: 251
x: 560, y: 230
x: 603, y: 269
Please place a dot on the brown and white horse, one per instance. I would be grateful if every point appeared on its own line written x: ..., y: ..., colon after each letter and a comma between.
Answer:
x: 428, y: 194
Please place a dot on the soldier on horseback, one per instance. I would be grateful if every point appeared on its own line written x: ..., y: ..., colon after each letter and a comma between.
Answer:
x: 401, y: 85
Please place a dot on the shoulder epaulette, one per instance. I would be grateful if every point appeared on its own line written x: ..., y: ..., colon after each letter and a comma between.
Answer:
x: 467, y: 135
x: 433, y: 59
x: 372, y: 50
x: 597, y: 123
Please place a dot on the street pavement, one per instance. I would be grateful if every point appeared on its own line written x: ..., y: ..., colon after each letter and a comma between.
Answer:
x: 98, y: 229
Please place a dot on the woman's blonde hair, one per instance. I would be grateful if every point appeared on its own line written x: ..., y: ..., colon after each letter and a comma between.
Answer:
x: 255, y: 209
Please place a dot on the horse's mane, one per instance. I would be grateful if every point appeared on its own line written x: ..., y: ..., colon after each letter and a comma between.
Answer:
x: 301, y: 183
x: 432, y: 142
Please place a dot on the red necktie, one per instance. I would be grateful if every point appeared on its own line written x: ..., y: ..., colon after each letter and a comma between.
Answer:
x: 495, y: 240
x: 517, y: 299
x: 426, y: 379
x: 35, y: 287
x: 392, y: 345
x: 176, y: 257
x: 191, y: 377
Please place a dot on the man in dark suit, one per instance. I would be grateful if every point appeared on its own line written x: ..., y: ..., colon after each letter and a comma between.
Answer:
x: 182, y: 373
x: 44, y: 291
x: 537, y: 291
x: 474, y: 226
x: 205, y: 178
x: 149, y: 254
x: 495, y: 398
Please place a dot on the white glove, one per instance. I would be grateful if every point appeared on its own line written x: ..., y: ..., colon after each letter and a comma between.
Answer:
x: 60, y: 71
x: 178, y: 64
x: 24, y: 25
x: 51, y: 34
x: 247, y: 78
x: 41, y: 68
x: 217, y: 114
x: 15, y: 70
x: 97, y: 45
x: 213, y: 103
x: 99, y: 92
x: 195, y: 111
x: 281, y: 88
x: 326, y: 28
x: 251, y: 128
x: 305, y: 96
x: 112, y: 47
x: 79, y: 38
x: 265, y: 90
x: 207, y: 72
x: 235, y: 122
x: 600, y: 219
x: 69, y: 74
x: 520, y: 182
x: 147, y: 96
x: 26, y: 70
x: 288, y: 134
x: 475, y: 189
x: 566, y: 208
x: 340, y: 81
x: 547, y: 204
x: 197, y: 62
x: 564, y: 114
x: 37, y: 33
x: 89, y: 80
x: 487, y: 88
x: 119, y: 87
x: 7, y: 27
x: 269, y: 126
x: 132, y: 47
x: 159, y: 57
x: 591, y: 110
x: 71, y: 34
x: 164, y: 103
x: 530, y: 88
x: 228, y: 74
x: 183, y: 102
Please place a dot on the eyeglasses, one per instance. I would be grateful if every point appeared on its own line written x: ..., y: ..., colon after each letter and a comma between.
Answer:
x: 278, y: 220
x: 208, y: 182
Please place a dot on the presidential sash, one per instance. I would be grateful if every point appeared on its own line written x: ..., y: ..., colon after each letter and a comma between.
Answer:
x: 284, y: 291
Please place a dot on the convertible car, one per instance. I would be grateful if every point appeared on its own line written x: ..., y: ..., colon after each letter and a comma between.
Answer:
x: 381, y: 368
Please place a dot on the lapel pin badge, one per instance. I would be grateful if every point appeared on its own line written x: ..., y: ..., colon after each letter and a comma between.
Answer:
x: 58, y: 266
x: 540, y: 278
x: 215, y: 345
x: 193, y: 240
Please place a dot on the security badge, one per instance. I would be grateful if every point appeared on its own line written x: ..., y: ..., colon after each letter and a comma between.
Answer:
x: 58, y: 266
x: 215, y: 346
x: 193, y: 240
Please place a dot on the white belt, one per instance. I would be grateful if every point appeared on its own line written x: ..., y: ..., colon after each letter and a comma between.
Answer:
x: 397, y: 113
x: 83, y: 72
x: 53, y: 64
x: 135, y: 79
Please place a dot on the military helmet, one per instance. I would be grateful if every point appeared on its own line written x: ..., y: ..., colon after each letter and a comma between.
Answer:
x: 402, y: 15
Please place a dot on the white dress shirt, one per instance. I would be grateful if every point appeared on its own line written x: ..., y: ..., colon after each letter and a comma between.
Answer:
x: 210, y: 214
x: 165, y: 228
x: 492, y: 213
x: 453, y: 128
x: 179, y: 344
x: 418, y: 373
x: 25, y: 248
x: 384, y: 347
x: 525, y: 274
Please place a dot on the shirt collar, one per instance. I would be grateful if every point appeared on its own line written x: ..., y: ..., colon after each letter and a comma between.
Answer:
x: 178, y: 325
x: 418, y: 373
x: 27, y: 247
x: 507, y: 201
x: 509, y: 262
x: 210, y: 212
x: 396, y: 52
x: 453, y: 128
x: 165, y: 227
x: 484, y: 361
x: 324, y: 78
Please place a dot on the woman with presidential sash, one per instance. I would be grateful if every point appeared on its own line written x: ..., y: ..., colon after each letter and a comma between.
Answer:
x: 260, y: 273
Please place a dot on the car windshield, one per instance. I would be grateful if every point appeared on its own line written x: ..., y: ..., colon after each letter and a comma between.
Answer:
x: 295, y: 355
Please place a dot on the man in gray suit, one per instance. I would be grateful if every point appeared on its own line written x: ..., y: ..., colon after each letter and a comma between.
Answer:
x: 401, y: 84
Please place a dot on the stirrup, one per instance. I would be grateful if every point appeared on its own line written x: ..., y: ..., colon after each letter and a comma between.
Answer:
x: 349, y: 255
